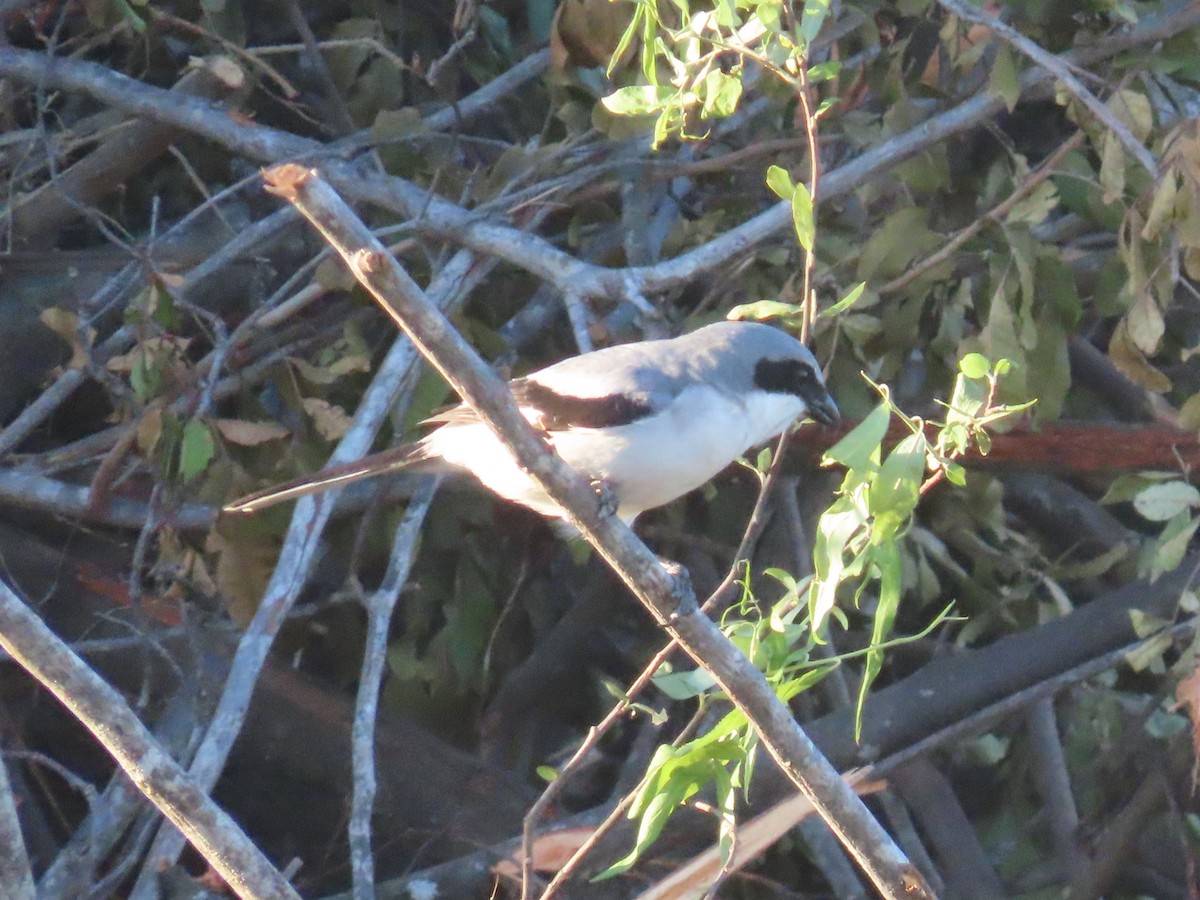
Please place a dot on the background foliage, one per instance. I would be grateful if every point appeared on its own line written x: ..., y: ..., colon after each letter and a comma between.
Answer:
x: 170, y: 367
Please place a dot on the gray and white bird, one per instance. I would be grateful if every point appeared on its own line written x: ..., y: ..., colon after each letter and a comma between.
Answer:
x: 649, y: 421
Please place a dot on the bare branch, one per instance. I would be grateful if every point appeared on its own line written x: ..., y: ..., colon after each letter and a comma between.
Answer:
x: 445, y: 220
x: 158, y: 776
x: 16, y: 875
x: 380, y: 605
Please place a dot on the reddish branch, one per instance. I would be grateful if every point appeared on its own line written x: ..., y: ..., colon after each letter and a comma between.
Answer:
x: 1074, y: 447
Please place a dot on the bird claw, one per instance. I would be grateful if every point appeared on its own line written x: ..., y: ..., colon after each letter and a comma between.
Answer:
x: 607, y: 496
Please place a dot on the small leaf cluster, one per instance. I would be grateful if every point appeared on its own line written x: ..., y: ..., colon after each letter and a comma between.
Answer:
x: 686, y: 63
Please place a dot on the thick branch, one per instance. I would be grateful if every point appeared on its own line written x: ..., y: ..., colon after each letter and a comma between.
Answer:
x: 1081, y: 448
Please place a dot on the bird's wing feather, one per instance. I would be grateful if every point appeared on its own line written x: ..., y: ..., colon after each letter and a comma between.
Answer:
x: 631, y: 394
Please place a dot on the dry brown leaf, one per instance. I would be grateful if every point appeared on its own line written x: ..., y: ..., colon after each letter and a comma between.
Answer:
x: 550, y: 852
x: 65, y: 324
x: 249, y: 434
x: 331, y: 421
x: 585, y: 33
x: 1187, y: 694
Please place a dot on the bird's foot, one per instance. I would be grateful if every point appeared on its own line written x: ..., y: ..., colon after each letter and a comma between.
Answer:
x: 607, y: 495
x: 683, y: 594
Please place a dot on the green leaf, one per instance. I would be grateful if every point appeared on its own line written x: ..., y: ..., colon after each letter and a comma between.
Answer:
x: 1112, y: 167
x: 1161, y: 502
x: 163, y: 310
x: 146, y: 375
x: 762, y: 462
x: 846, y: 302
x: 637, y: 100
x: 827, y: 104
x: 721, y: 94
x: 780, y: 182
x: 887, y: 561
x: 797, y: 686
x: 1145, y: 323
x: 1134, y: 109
x: 195, y: 450
x: 824, y: 72
x: 762, y: 310
x: 896, y: 489
x: 684, y: 685
x: 802, y: 217
x: 895, y: 243
x: 1167, y: 551
x: 1004, y: 79
x: 811, y: 20
x: 861, y: 446
x: 662, y: 807
x: 834, y: 530
x: 639, y: 15
x: 1162, y: 208
x: 1096, y: 566
x: 1125, y: 487
x: 967, y: 401
x: 974, y: 365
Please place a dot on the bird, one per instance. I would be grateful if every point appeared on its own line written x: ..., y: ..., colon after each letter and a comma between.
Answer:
x: 646, y: 422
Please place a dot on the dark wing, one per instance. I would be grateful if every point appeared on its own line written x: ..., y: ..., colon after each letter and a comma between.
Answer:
x: 560, y: 411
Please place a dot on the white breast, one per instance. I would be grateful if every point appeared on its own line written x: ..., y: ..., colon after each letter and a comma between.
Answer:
x: 647, y: 463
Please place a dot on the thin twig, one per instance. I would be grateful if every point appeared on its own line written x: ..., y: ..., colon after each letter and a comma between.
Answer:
x: 717, y: 601
x: 300, y: 545
x: 1054, y: 784
x: 983, y: 717
x: 448, y: 221
x: 252, y: 60
x: 380, y: 605
x: 1046, y: 169
x: 34, y: 415
x: 16, y: 874
x: 316, y: 59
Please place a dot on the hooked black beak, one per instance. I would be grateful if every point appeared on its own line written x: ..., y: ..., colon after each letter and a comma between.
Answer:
x: 822, y: 409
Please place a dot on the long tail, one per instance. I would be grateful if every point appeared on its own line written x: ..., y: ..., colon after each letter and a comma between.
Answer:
x: 335, y: 476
